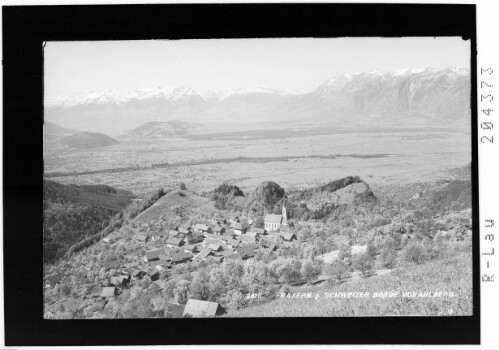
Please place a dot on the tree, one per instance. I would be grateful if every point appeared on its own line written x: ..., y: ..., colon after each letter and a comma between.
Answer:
x: 181, y: 291
x: 233, y: 272
x: 259, y: 223
x: 140, y: 307
x: 65, y: 290
x: 364, y: 263
x: 182, y: 186
x: 309, y: 271
x: 371, y: 250
x: 345, y: 254
x: 321, y: 247
x: 255, y: 276
x: 309, y: 252
x: 200, y: 285
x: 337, y: 270
x: 304, y: 235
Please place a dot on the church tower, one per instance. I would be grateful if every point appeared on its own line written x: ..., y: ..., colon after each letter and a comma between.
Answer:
x: 284, y: 213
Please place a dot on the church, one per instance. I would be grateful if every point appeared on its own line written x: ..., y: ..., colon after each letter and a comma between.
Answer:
x: 274, y: 222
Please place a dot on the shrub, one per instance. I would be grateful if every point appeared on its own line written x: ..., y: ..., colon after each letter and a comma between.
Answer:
x: 289, y: 272
x: 387, y: 257
x: 414, y: 253
x: 259, y: 223
x: 235, y: 299
x: 371, y: 250
x: 140, y: 307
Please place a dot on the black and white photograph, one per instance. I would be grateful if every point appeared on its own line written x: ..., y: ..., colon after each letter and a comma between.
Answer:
x: 257, y: 177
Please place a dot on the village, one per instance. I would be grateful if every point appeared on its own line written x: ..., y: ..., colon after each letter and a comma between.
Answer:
x: 208, y: 263
x: 213, y: 241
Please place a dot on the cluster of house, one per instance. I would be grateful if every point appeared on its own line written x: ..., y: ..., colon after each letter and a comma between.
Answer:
x: 212, y: 242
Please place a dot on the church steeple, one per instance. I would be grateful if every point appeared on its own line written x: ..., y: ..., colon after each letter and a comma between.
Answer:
x: 284, y: 213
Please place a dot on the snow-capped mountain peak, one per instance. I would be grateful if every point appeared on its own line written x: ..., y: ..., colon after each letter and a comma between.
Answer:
x: 225, y: 94
x: 119, y: 97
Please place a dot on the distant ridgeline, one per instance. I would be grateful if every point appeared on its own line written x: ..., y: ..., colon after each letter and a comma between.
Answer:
x: 75, y: 216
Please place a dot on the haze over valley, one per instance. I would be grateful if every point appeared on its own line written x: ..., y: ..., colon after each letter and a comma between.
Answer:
x: 388, y: 127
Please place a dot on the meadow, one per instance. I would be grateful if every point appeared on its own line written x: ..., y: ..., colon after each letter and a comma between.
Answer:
x: 451, y: 275
x: 293, y: 161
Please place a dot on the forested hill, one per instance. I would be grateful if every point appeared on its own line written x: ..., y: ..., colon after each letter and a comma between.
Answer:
x: 73, y: 212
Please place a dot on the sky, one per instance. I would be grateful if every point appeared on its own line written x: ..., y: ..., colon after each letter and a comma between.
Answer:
x: 299, y: 65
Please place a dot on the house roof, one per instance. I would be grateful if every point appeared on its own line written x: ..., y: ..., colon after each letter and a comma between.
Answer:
x: 185, y: 231
x: 260, y: 231
x: 154, y: 286
x: 180, y: 256
x: 233, y: 242
x: 227, y: 252
x: 190, y: 247
x: 174, y: 241
x: 155, y: 254
x: 209, y: 241
x: 202, y: 227
x: 217, y: 259
x: 252, y: 234
x: 246, y: 238
x: 175, y: 310
x: 117, y: 280
x: 141, y: 237
x: 200, y: 308
x: 152, y: 271
x: 245, y: 252
x: 108, y: 292
x: 135, y: 272
x: 205, y: 252
x: 233, y: 257
x: 192, y: 237
x: 230, y: 233
x: 240, y: 226
x: 273, y: 218
x: 214, y: 246
x: 287, y: 235
x: 162, y: 263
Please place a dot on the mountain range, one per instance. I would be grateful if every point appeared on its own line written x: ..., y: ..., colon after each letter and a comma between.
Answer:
x: 408, y: 97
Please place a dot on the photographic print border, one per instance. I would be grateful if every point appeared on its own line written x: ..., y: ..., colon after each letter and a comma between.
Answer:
x: 26, y: 28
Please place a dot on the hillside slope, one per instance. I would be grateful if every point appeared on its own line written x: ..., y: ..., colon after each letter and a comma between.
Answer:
x: 73, y: 212
x: 88, y: 140
x: 154, y: 130
x: 53, y: 132
x: 177, y: 200
x: 430, y: 277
